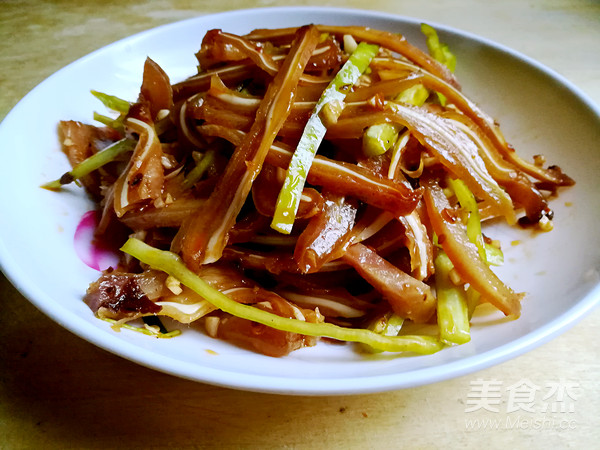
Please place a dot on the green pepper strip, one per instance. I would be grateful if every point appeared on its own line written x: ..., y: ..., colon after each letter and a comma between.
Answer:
x: 437, y: 49
x: 493, y: 255
x: 415, y: 95
x: 208, y: 159
x: 490, y: 254
x: 172, y: 264
x: 440, y: 52
x: 112, y: 102
x: 116, y: 124
x: 388, y: 324
x: 92, y: 163
x: 452, y: 306
x: 379, y: 138
x: 314, y: 132
x: 473, y: 298
x: 469, y: 204
x: 144, y: 330
x: 116, y: 104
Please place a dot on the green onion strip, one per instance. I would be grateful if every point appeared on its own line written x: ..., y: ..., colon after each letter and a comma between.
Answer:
x: 452, y: 307
x: 469, y: 204
x: 92, y: 163
x: 208, y: 159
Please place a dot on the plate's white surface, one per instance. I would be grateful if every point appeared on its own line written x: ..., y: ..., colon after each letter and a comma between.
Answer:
x: 539, y: 111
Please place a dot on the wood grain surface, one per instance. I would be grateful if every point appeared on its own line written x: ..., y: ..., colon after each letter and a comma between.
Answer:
x: 58, y: 391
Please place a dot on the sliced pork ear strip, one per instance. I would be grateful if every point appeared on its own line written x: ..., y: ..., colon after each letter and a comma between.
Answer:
x: 201, y: 241
x: 119, y: 295
x: 407, y: 296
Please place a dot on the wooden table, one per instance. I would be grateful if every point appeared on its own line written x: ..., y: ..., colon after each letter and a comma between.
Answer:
x: 58, y: 391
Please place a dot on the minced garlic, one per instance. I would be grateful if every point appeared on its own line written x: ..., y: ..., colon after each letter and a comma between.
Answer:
x: 211, y: 324
x: 545, y: 224
x: 174, y: 285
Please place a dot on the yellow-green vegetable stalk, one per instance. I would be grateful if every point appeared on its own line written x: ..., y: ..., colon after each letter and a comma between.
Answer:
x: 469, y: 204
x: 379, y: 138
x: 388, y: 324
x: 92, y: 163
x: 314, y: 131
x: 452, y: 307
x: 439, y: 51
x: 172, y: 264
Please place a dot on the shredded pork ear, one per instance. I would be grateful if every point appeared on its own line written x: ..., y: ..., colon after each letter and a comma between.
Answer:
x: 448, y: 143
x: 156, y: 89
x: 170, y: 215
x: 372, y: 219
x: 472, y: 269
x: 332, y: 302
x: 201, y: 82
x: 392, y: 41
x: 326, y: 233
x: 201, y: 241
x: 407, y: 296
x: 521, y: 189
x: 337, y: 176
x: 486, y: 124
x: 187, y: 306
x: 219, y: 46
x: 142, y: 180
x: 262, y: 338
x: 79, y: 142
x: 266, y: 187
x: 121, y: 295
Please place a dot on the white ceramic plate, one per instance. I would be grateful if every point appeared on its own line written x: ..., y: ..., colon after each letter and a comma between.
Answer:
x: 540, y: 112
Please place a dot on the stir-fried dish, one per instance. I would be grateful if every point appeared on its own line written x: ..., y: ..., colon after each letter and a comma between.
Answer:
x: 306, y: 183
